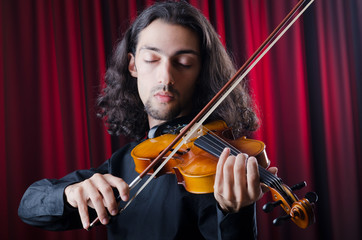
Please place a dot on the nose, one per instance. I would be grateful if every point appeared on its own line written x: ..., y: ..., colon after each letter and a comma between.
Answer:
x: 166, y: 73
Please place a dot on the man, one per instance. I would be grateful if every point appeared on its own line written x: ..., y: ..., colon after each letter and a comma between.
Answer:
x: 169, y: 64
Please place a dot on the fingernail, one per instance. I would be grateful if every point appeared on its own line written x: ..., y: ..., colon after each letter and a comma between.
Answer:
x: 114, y: 212
x: 85, y: 226
x: 104, y: 221
x: 125, y: 197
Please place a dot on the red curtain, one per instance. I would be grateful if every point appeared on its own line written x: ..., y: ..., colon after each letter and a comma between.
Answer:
x: 307, y: 88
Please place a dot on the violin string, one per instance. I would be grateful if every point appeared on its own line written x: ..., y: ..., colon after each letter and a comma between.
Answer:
x: 215, y: 145
x: 226, y: 144
x: 220, y: 142
x: 267, y: 177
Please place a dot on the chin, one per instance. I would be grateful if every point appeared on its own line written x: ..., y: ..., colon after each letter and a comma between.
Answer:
x: 163, y: 111
x: 166, y: 115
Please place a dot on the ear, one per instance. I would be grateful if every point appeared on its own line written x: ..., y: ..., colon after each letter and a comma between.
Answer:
x: 132, y: 65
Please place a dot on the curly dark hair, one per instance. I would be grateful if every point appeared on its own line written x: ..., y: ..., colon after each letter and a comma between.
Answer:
x: 119, y: 102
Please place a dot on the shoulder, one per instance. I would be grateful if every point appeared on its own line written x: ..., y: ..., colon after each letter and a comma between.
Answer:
x: 121, y: 162
x: 123, y: 151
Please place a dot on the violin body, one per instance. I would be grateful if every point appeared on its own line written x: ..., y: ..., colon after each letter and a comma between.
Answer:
x: 194, y: 167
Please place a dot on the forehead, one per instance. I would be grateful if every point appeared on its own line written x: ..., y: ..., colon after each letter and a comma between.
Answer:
x: 168, y: 37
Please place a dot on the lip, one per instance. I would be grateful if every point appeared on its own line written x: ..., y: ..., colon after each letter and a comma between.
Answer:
x: 164, y: 96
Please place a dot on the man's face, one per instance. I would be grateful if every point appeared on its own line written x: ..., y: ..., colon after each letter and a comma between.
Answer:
x: 167, y: 64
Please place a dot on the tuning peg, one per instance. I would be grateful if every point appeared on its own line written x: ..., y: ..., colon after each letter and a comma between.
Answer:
x: 312, y: 197
x: 280, y: 220
x: 299, y: 186
x: 268, y: 207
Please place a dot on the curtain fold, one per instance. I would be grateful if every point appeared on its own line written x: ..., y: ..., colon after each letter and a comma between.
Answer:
x: 337, y: 94
x: 53, y: 56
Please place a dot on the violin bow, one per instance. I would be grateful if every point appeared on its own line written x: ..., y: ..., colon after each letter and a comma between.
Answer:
x: 195, y: 124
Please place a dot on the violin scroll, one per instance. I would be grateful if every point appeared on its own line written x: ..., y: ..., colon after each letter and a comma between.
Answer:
x: 300, y: 211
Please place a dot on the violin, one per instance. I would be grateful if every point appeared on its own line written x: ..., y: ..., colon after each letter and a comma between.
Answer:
x: 194, y: 165
x: 192, y: 143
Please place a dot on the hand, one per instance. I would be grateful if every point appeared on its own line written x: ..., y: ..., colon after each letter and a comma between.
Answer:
x: 96, y: 192
x: 237, y: 181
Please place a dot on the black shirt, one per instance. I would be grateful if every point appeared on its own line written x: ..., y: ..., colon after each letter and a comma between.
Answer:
x: 163, y: 210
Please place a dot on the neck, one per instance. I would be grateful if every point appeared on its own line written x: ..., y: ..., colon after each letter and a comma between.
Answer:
x: 154, y: 122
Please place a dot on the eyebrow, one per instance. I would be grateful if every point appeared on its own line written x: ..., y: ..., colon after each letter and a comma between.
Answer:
x: 179, y: 52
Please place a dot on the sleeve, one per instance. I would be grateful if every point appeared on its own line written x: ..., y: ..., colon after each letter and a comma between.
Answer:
x: 240, y: 225
x: 43, y: 204
x: 215, y: 224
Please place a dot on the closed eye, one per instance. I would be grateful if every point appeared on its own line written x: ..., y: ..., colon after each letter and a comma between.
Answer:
x: 149, y: 61
x: 184, y: 65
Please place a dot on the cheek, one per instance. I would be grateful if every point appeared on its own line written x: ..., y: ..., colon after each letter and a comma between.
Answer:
x: 191, y: 85
x: 142, y: 90
x: 145, y: 83
x: 188, y: 90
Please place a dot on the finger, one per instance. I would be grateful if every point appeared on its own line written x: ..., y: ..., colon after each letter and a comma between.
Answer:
x: 219, y: 170
x: 273, y: 170
x: 120, y: 184
x: 123, y: 190
x: 107, y: 194
x: 253, y: 178
x: 240, y: 176
x: 228, y: 178
x: 82, y: 208
x: 96, y: 198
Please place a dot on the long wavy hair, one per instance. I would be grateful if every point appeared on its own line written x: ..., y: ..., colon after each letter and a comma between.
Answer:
x: 119, y: 102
